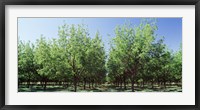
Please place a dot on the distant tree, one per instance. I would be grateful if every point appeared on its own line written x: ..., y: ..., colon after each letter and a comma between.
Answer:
x: 26, y: 64
x: 21, y: 64
x: 97, y: 57
x: 155, y: 64
x: 43, y: 60
x: 177, y: 66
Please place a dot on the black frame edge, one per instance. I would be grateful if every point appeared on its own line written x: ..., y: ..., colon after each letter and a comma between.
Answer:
x: 197, y: 60
x: 101, y: 2
x: 98, y: 107
x: 2, y: 55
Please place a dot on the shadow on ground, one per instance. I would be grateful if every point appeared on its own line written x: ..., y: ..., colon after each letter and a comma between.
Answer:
x: 102, y: 88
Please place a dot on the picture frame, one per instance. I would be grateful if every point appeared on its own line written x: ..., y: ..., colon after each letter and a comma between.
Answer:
x: 99, y: 2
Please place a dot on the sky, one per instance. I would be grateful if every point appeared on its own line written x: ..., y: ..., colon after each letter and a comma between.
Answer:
x: 30, y: 29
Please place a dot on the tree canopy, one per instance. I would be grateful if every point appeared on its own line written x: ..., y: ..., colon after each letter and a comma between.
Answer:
x: 75, y: 59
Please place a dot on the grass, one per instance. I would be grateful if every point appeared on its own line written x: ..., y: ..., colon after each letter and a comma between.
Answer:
x: 101, y: 88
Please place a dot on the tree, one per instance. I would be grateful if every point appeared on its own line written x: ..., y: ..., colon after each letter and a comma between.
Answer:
x: 43, y: 59
x: 177, y: 66
x: 155, y: 64
x: 97, y: 59
x: 166, y: 61
x: 76, y: 51
x: 21, y: 73
x: 115, y: 67
x: 133, y: 44
x: 26, y: 64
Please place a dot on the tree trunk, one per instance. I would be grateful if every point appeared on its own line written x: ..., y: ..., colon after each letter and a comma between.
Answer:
x: 158, y: 83
x: 132, y: 84
x: 89, y: 84
x: 152, y: 84
x: 45, y: 85
x: 124, y: 82
x: 75, y: 83
x: 65, y: 83
x: 143, y: 84
x: 164, y: 84
x: 92, y: 83
x: 95, y: 84
x: 84, y: 83
x: 60, y: 83
x: 41, y: 84
x: 121, y: 84
x: 28, y: 83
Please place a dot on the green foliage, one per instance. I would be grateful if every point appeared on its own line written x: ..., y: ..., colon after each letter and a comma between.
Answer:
x: 135, y: 53
x: 136, y: 56
x: 43, y: 57
x: 26, y: 64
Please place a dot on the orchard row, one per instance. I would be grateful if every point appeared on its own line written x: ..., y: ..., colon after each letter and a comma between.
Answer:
x: 136, y: 55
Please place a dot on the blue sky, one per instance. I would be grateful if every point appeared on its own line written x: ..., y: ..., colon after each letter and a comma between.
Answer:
x: 30, y: 29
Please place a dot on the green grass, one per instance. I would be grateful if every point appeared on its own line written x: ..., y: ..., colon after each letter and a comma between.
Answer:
x: 101, y: 88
